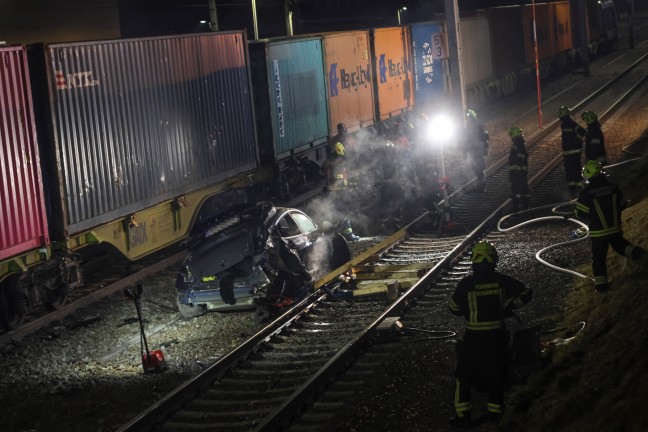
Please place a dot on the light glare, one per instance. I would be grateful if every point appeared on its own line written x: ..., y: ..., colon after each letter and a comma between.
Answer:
x: 441, y: 128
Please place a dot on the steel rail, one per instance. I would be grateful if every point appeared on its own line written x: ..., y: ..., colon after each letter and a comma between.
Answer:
x: 346, y: 355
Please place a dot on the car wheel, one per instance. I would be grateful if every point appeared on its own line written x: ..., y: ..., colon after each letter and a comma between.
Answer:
x: 262, y: 315
x: 190, y: 311
x: 341, y: 252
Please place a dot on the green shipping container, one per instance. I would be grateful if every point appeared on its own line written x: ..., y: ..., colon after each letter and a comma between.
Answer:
x: 289, y: 96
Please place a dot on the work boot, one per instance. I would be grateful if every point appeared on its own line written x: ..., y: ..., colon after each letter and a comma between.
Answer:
x: 602, y: 288
x: 460, y: 422
x: 494, y: 417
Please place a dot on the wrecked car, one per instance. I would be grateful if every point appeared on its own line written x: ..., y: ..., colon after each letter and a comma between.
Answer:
x: 255, y: 256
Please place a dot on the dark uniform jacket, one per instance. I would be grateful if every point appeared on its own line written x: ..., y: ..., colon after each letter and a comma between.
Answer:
x: 476, y: 139
x: 572, y: 136
x: 601, y: 203
x: 485, y: 302
x: 595, y: 144
x: 518, y: 159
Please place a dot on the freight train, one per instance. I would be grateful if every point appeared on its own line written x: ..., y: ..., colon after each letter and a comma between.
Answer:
x: 128, y: 144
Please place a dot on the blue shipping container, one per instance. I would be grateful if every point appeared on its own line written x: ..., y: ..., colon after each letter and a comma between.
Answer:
x: 428, y: 73
x: 293, y: 101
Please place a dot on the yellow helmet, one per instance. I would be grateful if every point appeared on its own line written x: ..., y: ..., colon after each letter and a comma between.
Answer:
x: 589, y: 117
x: 564, y: 111
x: 484, y: 252
x: 515, y: 132
x: 591, y: 169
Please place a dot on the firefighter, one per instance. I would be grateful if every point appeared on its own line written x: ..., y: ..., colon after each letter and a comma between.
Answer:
x: 594, y: 141
x: 485, y: 299
x: 572, y: 146
x: 337, y: 182
x: 342, y: 139
x: 518, y: 170
x: 475, y: 148
x: 600, y: 204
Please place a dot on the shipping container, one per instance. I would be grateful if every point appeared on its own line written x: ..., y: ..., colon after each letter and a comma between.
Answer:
x: 392, y: 69
x: 427, y: 53
x: 348, y: 80
x: 508, y: 53
x: 289, y: 95
x: 543, y: 24
x: 561, y: 30
x: 23, y: 222
x: 475, y: 50
x: 136, y: 122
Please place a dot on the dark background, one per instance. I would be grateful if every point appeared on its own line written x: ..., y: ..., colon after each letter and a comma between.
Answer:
x: 159, y: 17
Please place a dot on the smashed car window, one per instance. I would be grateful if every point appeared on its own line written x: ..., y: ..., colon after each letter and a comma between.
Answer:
x: 305, y: 223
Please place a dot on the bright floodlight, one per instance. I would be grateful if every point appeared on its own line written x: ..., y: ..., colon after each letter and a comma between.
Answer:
x: 441, y: 128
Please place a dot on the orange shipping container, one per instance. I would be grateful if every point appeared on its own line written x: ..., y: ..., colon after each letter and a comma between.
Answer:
x: 349, y: 80
x: 393, y: 71
x: 561, y: 31
x: 543, y: 32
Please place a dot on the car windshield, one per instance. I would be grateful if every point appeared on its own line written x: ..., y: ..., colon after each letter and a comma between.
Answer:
x: 305, y: 223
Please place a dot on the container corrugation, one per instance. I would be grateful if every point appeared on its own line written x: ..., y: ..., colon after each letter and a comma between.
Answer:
x: 140, y: 121
x: 393, y: 71
x: 508, y: 53
x: 543, y: 25
x: 23, y: 222
x: 475, y: 50
x: 428, y: 73
x: 294, y: 90
x: 561, y: 30
x: 348, y: 80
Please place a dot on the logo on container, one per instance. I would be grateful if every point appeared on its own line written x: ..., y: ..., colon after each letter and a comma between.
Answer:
x: 74, y: 80
x: 390, y: 68
x: 279, y: 99
x: 428, y: 63
x: 346, y: 79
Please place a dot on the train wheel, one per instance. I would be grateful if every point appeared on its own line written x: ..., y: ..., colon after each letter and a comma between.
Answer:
x: 14, y: 304
x: 54, y: 299
x: 56, y: 289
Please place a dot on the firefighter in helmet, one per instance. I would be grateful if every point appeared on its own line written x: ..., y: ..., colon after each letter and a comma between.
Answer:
x: 594, y: 140
x: 337, y: 181
x: 485, y: 299
x: 518, y: 170
x: 572, y: 147
x: 475, y: 148
x: 600, y: 204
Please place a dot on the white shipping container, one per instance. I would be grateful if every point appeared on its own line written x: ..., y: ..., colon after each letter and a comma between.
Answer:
x: 475, y: 50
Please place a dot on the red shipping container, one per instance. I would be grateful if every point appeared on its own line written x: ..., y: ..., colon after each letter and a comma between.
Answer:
x: 23, y: 223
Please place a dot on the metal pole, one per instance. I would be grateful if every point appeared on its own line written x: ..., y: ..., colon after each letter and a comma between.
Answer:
x: 458, y: 90
x: 582, y: 12
x: 254, y: 19
x: 631, y: 39
x: 399, y: 20
x: 289, y: 15
x: 537, y: 65
x: 213, y: 16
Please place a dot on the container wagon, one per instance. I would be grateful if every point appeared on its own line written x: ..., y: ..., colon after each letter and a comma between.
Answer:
x: 137, y: 139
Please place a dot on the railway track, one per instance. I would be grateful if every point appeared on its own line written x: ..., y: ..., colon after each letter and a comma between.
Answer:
x: 269, y: 381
